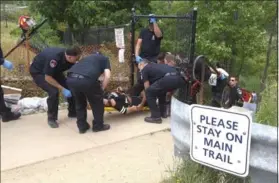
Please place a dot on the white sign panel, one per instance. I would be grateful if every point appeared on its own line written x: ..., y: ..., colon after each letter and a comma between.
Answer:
x: 119, y: 37
x: 121, y: 55
x: 220, y: 139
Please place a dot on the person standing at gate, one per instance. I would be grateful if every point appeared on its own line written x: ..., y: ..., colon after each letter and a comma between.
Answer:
x: 147, y: 47
x: 158, y: 80
x: 83, y: 82
x: 47, y: 72
x: 149, y: 42
x: 5, y: 112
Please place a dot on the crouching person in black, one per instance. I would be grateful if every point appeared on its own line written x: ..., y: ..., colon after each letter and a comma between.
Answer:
x: 158, y: 80
x: 84, y: 84
x: 47, y: 71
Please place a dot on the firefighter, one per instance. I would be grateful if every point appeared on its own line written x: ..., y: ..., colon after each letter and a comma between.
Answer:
x: 83, y: 80
x: 161, y: 58
x: 149, y: 42
x: 5, y: 112
x: 47, y: 72
x: 158, y: 79
x: 147, y: 47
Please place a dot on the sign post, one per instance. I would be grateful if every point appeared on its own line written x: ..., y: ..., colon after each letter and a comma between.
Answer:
x: 221, y: 139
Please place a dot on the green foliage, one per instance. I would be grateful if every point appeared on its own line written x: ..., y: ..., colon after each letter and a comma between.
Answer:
x: 83, y: 14
x: 16, y: 32
x: 224, y: 27
x: 191, y: 172
x: 268, y: 108
x: 13, y: 16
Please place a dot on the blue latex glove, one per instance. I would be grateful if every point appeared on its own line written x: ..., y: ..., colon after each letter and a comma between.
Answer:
x: 66, y: 93
x: 138, y: 59
x: 8, y: 65
x: 152, y: 19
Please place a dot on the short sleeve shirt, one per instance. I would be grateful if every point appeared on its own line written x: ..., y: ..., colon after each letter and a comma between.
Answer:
x: 150, y: 43
x: 91, y: 66
x: 152, y: 72
x: 51, y: 61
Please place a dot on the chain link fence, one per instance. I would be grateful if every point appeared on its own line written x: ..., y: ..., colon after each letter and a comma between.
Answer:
x: 103, y: 39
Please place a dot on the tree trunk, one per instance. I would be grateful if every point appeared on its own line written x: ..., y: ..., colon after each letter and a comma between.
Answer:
x: 268, y: 53
x: 241, y: 65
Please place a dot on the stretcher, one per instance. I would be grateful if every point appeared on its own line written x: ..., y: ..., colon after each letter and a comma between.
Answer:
x: 111, y: 109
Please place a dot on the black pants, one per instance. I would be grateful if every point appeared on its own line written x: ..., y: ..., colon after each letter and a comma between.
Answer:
x: 3, y: 108
x: 53, y: 94
x: 216, y: 99
x: 159, y: 90
x: 85, y: 89
x: 151, y: 59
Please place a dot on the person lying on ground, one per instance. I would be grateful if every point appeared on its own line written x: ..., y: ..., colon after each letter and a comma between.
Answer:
x: 123, y: 102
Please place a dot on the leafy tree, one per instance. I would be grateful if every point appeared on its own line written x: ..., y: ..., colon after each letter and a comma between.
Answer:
x: 84, y: 14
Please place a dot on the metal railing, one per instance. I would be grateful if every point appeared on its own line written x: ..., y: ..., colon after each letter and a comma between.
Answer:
x: 263, y: 150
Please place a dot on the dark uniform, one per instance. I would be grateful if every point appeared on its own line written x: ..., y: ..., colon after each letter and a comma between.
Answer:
x: 236, y: 96
x: 84, y: 84
x: 122, y: 101
x: 150, y: 47
x: 52, y: 62
x: 162, y: 78
x: 5, y: 112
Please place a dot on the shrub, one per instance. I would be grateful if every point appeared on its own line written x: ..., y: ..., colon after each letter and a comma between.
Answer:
x: 268, y: 107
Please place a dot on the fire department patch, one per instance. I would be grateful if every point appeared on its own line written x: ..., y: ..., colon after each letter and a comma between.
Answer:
x: 53, y: 63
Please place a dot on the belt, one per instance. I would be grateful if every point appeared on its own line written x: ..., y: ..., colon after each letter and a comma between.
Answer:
x: 172, y: 74
x: 73, y: 75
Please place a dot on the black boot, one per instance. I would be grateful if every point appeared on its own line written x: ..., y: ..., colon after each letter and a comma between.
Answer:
x: 83, y: 130
x: 104, y: 128
x: 153, y: 120
x: 10, y: 116
x: 52, y: 123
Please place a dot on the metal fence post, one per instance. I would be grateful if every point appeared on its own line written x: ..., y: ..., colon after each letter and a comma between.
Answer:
x: 189, y: 99
x: 132, y: 46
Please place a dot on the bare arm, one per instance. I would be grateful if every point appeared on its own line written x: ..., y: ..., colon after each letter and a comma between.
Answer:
x: 157, y: 30
x: 143, y: 100
x: 106, y: 78
x: 138, y: 46
x: 53, y: 82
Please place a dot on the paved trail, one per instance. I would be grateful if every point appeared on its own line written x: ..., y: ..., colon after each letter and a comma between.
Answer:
x: 132, y: 152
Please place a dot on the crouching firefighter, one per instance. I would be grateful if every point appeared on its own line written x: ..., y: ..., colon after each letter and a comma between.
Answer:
x: 124, y: 103
x: 158, y: 80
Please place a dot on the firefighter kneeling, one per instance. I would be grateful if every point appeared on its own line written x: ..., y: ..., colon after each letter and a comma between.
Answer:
x: 158, y: 80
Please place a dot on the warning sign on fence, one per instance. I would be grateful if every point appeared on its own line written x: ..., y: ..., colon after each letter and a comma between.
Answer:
x: 119, y: 37
x: 220, y: 139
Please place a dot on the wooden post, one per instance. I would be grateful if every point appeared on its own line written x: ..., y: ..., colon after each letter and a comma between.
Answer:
x: 27, y: 51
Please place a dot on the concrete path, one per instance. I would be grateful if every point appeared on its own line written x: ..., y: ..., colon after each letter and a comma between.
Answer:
x: 34, y: 153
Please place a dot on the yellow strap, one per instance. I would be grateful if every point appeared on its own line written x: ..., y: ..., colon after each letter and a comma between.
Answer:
x: 111, y: 109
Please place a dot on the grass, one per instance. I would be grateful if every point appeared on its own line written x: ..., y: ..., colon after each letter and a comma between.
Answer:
x: 268, y: 107
x: 19, y: 57
x: 191, y: 172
